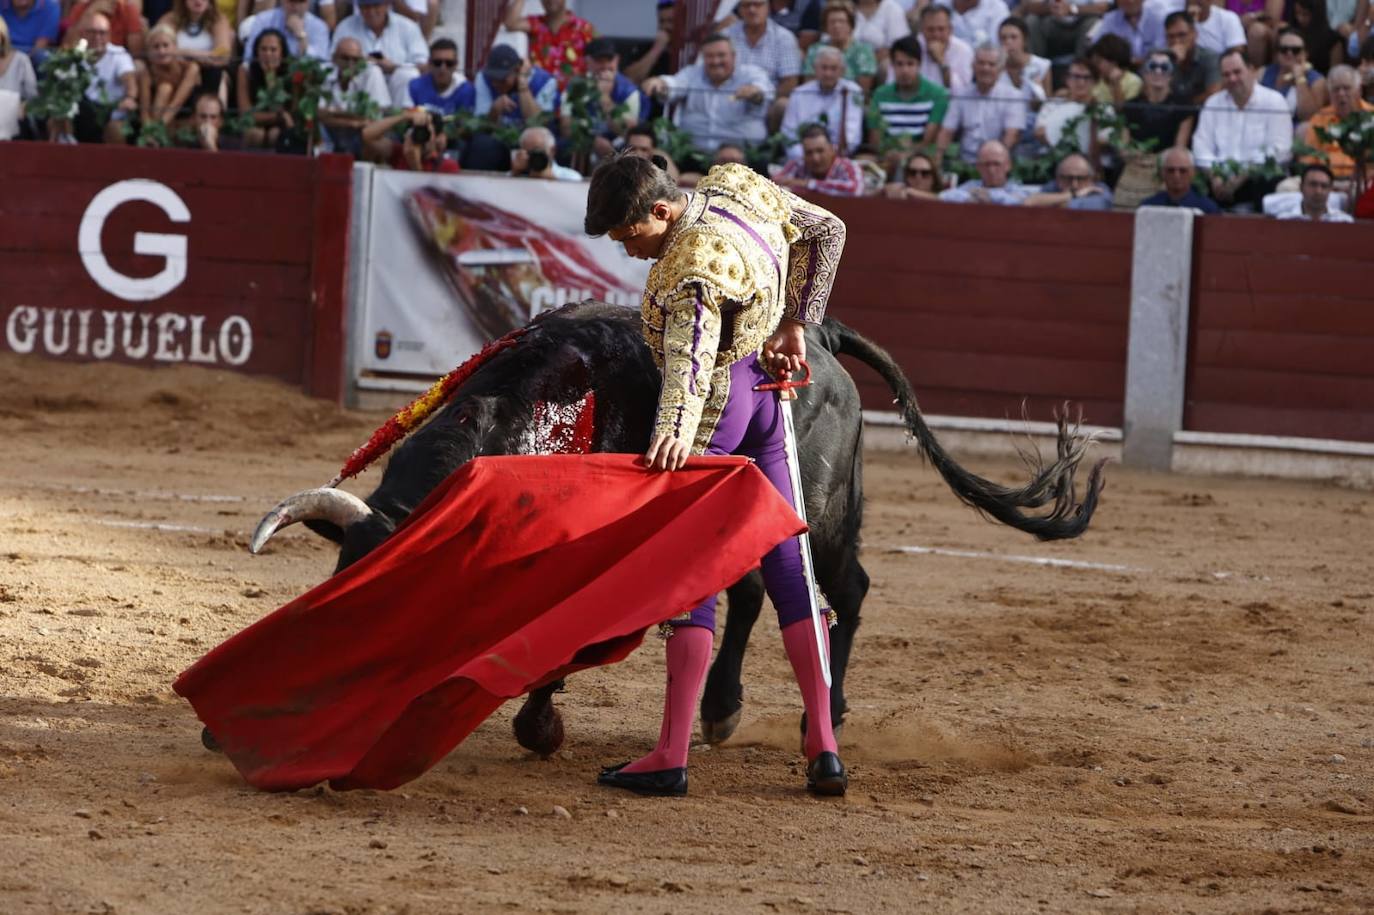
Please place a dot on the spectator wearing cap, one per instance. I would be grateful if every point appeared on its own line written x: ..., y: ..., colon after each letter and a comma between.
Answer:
x: 1177, y: 170
x: 533, y: 157
x: 614, y: 91
x: 558, y: 39
x: 1316, y: 197
x: 33, y: 24
x: 988, y: 110
x: 910, y: 108
x: 307, y: 35
x: 821, y: 168
x: 829, y: 99
x: 394, y: 43
x: 1246, y: 123
x: 761, y: 42
x: 1344, y: 83
x: 946, y: 60
x: 994, y: 184
x: 1074, y: 187
x: 861, y: 63
x: 1139, y: 25
x: 721, y: 101
x: 509, y: 90
x: 437, y: 89
x: 1197, y: 71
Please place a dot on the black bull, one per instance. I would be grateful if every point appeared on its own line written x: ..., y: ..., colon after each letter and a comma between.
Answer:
x: 598, y: 348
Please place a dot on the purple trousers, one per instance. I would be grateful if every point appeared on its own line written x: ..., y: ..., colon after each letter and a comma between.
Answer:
x: 751, y: 425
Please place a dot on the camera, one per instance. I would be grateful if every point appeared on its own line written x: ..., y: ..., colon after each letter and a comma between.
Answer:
x: 421, y: 135
x: 539, y: 161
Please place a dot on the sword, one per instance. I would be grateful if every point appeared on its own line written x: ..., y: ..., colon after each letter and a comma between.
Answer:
x: 787, y: 393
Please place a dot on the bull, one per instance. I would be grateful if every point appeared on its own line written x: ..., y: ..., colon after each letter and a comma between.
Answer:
x: 598, y: 348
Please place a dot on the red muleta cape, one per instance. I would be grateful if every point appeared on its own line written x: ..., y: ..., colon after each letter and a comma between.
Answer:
x: 514, y: 572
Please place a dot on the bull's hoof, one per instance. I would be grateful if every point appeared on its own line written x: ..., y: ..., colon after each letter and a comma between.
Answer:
x: 208, y: 741
x: 539, y: 729
x: 714, y: 732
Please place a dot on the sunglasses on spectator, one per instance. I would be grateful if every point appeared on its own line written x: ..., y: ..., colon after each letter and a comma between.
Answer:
x: 1159, y: 66
x: 442, y: 62
x: 1291, y: 48
x: 919, y: 172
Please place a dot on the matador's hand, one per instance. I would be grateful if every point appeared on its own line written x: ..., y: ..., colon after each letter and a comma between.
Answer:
x: 784, y: 351
x: 667, y: 452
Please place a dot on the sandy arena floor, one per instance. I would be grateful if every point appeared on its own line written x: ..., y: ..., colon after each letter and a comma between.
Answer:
x: 1187, y: 726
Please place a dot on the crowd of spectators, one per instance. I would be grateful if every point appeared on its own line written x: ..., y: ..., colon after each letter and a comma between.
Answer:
x: 1049, y: 103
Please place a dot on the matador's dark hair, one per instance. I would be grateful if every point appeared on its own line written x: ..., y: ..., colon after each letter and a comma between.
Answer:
x: 623, y: 191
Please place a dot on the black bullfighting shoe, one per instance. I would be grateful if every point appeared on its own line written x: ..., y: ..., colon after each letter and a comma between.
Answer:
x: 826, y: 776
x: 663, y: 783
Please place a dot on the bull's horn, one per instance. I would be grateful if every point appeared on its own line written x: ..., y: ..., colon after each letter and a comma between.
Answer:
x: 323, y: 504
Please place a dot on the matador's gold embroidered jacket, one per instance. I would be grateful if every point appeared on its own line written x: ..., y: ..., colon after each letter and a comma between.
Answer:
x: 743, y: 255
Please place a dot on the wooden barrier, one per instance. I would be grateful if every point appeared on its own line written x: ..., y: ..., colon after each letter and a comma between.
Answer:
x: 1282, y: 335
x: 242, y: 262
x: 984, y: 306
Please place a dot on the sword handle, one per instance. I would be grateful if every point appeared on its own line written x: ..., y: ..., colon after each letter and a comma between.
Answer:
x: 786, y: 387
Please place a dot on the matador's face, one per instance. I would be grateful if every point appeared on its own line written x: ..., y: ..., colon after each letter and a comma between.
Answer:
x: 644, y: 239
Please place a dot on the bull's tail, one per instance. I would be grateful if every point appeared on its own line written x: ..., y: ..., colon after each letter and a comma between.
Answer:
x: 1049, y: 485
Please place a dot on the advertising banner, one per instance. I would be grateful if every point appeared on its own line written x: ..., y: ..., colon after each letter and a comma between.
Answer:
x: 155, y: 257
x: 453, y: 261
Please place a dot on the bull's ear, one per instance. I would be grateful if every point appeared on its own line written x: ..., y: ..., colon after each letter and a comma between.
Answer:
x: 326, y: 529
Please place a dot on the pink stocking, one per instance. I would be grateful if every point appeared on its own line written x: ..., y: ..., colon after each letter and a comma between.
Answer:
x: 800, y: 641
x: 689, y: 653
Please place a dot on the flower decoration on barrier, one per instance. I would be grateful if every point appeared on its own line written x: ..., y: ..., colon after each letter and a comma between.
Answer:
x: 1354, y: 136
x: 66, y: 75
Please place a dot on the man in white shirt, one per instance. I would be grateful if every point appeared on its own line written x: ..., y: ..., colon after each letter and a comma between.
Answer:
x: 762, y: 43
x: 1218, y: 29
x: 394, y: 43
x: 533, y: 158
x: 114, y: 84
x: 829, y: 99
x: 975, y: 21
x: 351, y: 78
x: 994, y: 184
x: 988, y: 110
x: 720, y: 101
x: 945, y: 59
x: 1316, y: 197
x: 1245, y: 123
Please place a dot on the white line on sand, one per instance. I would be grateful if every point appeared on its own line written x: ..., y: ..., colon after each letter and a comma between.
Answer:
x: 1029, y: 560
x: 164, y: 526
x: 160, y: 495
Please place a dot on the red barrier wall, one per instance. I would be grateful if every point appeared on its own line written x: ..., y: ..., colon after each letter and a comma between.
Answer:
x: 983, y: 306
x: 260, y: 244
x: 1282, y: 336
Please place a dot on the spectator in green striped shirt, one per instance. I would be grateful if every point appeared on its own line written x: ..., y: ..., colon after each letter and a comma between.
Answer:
x: 910, y: 109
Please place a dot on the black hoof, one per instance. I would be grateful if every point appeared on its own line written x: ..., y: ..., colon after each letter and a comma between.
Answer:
x: 539, y: 729
x: 826, y: 776
x: 208, y: 741
x: 662, y: 783
x: 714, y: 732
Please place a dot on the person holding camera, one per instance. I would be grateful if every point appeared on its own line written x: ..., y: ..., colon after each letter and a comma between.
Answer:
x: 422, y: 145
x: 534, y: 157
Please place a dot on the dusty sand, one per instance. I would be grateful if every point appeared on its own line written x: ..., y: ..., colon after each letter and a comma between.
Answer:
x: 1192, y: 732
